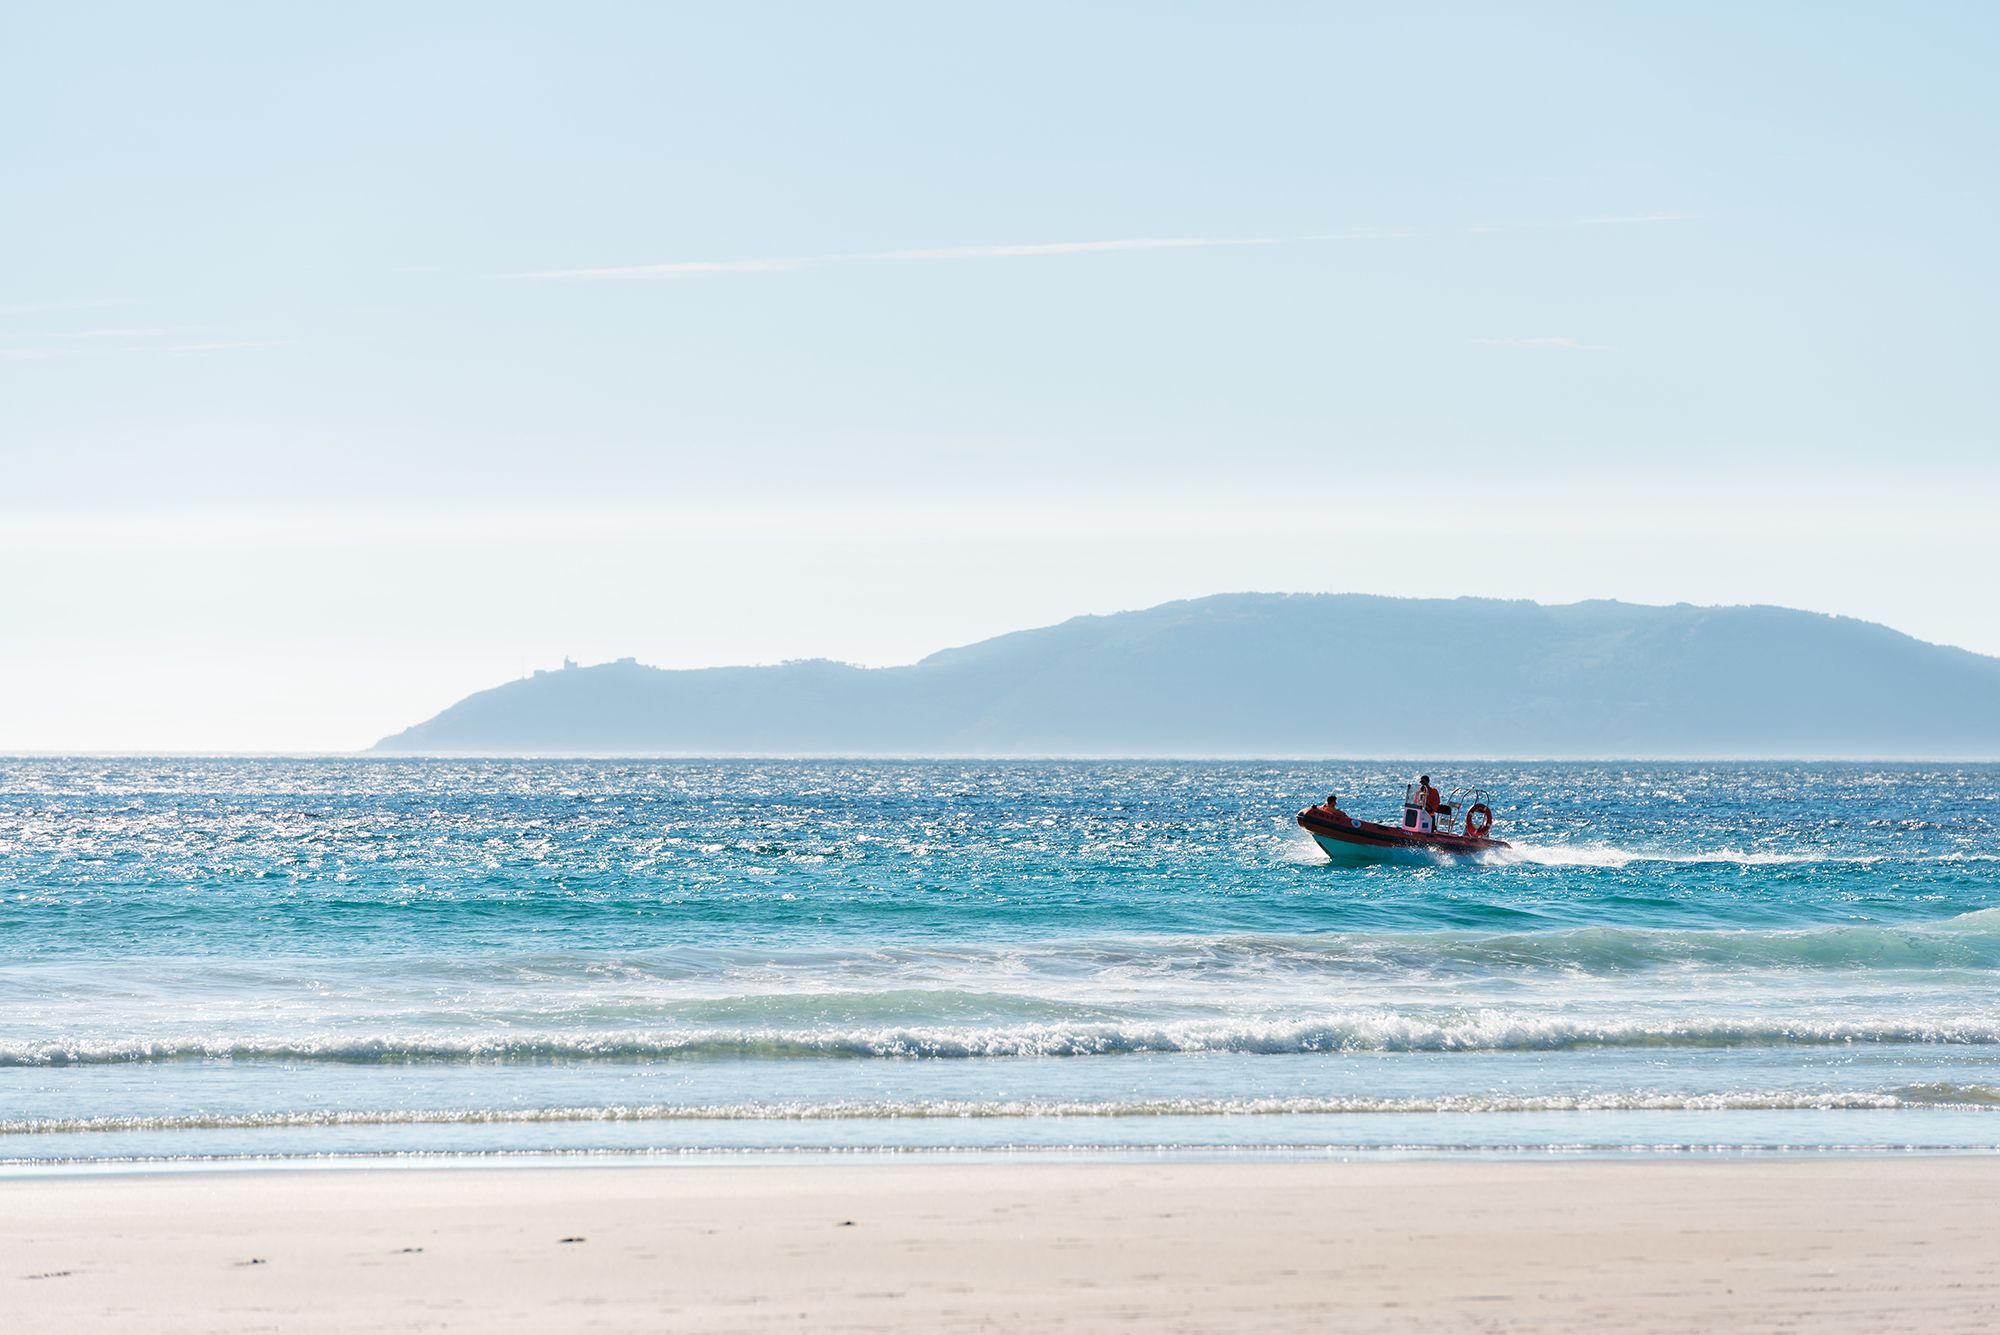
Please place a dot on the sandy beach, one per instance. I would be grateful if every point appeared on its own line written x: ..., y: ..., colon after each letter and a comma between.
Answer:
x: 1845, y: 1244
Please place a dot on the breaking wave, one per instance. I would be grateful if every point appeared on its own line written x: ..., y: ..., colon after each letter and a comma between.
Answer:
x: 1481, y: 1031
x: 1964, y: 1097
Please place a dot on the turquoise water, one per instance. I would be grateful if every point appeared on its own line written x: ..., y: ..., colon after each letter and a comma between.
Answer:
x: 204, y: 958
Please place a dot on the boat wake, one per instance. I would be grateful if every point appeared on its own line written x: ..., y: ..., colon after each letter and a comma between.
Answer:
x: 1605, y: 855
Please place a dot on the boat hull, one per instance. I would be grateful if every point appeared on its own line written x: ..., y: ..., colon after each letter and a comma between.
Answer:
x: 1362, y: 842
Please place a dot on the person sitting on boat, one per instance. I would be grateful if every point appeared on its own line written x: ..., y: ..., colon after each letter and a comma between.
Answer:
x: 1427, y: 796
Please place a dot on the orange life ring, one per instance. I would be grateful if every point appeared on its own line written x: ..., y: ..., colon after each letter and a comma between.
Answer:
x: 1478, y: 820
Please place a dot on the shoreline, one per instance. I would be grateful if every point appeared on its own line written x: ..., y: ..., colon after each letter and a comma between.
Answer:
x: 689, y: 1158
x: 1843, y: 1243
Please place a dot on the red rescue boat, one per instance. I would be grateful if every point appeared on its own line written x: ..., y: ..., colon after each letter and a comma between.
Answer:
x: 1426, y: 835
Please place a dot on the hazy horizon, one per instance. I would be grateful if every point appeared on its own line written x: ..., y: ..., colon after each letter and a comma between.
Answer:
x: 353, y: 361
x: 366, y: 747
x: 1282, y: 675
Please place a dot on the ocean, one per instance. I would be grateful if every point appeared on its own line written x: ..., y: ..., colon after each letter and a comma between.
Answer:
x: 357, y: 959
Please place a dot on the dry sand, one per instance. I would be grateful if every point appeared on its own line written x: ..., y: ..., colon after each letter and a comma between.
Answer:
x: 1836, y: 1244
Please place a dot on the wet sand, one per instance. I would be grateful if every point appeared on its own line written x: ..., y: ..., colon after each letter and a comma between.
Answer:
x: 1828, y: 1244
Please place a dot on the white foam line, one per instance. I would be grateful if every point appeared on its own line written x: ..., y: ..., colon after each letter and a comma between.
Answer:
x: 1984, y: 1098
x: 1478, y: 1031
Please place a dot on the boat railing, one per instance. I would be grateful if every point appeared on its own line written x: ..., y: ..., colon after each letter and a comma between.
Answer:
x: 1450, y: 815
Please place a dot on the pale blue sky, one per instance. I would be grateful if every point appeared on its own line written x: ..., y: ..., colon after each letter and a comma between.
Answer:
x: 885, y: 328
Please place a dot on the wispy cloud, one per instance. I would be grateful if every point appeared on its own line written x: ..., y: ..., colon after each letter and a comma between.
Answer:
x: 1597, y: 220
x: 1045, y: 249
x: 43, y: 307
x: 73, y: 334
x: 100, y: 343
x: 1028, y: 250
x: 1558, y: 344
x: 227, y: 345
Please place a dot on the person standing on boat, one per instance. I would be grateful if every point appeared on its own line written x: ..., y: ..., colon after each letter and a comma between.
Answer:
x: 1428, y: 796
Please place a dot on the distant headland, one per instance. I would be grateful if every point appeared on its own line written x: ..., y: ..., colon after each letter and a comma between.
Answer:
x: 1257, y: 674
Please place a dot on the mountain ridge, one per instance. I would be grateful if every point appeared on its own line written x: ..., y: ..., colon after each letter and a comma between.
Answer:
x: 1264, y: 674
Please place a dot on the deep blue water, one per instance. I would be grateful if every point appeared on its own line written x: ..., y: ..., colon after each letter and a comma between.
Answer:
x: 228, y: 957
